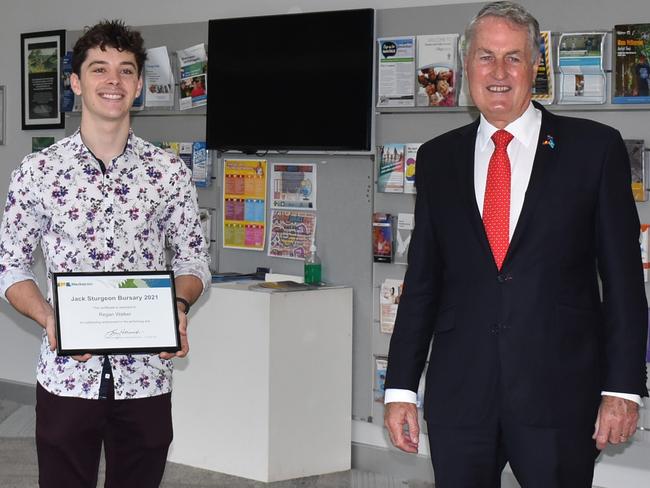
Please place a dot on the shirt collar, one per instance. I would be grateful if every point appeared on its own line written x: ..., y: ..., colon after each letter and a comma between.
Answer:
x: 76, y: 138
x: 523, y: 129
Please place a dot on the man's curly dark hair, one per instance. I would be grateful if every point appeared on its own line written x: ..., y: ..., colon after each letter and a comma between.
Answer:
x: 109, y: 33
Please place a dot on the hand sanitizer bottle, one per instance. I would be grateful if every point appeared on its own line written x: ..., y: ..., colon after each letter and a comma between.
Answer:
x: 312, y: 267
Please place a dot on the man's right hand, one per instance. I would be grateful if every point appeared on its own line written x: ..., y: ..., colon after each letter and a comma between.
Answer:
x: 398, y: 414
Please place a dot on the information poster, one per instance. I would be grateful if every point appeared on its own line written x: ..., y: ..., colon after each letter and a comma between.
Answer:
x: 293, y: 186
x: 244, y: 204
x: 292, y: 233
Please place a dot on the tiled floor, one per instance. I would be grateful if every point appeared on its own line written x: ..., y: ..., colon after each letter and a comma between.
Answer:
x: 18, y: 467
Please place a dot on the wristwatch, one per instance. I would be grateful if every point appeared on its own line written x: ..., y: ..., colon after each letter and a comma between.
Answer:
x: 184, y: 302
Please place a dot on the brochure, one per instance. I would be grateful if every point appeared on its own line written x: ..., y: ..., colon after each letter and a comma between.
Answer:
x: 389, y: 295
x: 582, y: 74
x: 464, y: 98
x: 67, y: 95
x: 405, y: 225
x: 411, y: 153
x: 382, y: 237
x: 396, y: 72
x: 158, y: 78
x: 543, y: 88
x: 201, y: 165
x: 632, y: 63
x: 381, y: 365
x: 636, y: 152
x: 437, y: 65
x: 391, y: 168
x: 193, y: 63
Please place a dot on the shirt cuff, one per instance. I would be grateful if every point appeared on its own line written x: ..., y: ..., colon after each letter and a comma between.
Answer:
x: 202, y: 273
x: 392, y: 395
x: 13, y: 276
x: 628, y: 396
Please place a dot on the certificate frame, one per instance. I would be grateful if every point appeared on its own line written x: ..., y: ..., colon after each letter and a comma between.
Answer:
x: 128, y: 312
x: 40, y: 60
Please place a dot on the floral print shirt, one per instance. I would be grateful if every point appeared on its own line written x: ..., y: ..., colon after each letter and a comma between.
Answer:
x: 87, y: 220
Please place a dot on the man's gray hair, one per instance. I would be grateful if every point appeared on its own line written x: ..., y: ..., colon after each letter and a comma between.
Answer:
x: 512, y: 12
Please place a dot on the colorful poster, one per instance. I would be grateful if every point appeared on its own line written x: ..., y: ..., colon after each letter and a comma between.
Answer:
x: 291, y: 233
x: 293, y: 186
x: 396, y: 72
x: 244, y: 204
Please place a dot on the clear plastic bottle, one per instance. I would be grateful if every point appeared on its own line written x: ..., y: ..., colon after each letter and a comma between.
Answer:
x: 312, y: 267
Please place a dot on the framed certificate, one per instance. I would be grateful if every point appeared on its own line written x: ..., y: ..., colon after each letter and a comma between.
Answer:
x: 115, y: 313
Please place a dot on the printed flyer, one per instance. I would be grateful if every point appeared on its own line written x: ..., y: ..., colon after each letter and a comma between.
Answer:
x: 244, y: 204
x: 293, y: 186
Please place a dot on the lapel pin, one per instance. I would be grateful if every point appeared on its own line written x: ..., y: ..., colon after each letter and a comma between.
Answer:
x: 549, y: 142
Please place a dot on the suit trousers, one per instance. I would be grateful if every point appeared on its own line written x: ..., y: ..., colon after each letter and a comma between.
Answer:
x: 540, y: 457
x: 136, y: 434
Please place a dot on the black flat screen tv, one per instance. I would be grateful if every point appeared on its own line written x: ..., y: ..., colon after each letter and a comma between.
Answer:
x: 295, y: 82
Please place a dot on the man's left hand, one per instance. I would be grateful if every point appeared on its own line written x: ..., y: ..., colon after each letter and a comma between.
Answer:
x: 616, y: 421
x: 185, y: 345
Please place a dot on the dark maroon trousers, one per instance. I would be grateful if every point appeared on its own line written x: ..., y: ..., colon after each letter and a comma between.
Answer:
x: 70, y: 431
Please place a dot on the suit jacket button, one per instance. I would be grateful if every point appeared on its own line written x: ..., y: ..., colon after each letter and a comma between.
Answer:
x: 503, y: 277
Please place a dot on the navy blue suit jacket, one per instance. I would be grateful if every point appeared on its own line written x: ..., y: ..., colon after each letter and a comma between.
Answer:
x: 539, y: 336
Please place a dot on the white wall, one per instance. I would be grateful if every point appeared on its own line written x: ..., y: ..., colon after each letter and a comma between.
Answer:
x: 20, y: 337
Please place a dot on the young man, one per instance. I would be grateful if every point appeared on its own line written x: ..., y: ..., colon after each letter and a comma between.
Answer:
x: 102, y: 200
x: 517, y: 215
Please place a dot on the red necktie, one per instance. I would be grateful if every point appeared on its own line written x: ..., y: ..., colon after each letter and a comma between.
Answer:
x: 496, y: 205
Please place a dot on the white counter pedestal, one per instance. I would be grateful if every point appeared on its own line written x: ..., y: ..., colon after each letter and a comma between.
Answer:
x: 266, y: 390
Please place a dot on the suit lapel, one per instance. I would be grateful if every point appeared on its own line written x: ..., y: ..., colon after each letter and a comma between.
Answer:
x: 548, y: 150
x: 464, y: 155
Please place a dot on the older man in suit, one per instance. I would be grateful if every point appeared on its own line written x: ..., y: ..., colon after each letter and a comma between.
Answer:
x: 517, y: 216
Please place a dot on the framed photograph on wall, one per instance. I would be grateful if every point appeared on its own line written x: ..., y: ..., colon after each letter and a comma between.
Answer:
x: 41, y: 54
x: 2, y: 115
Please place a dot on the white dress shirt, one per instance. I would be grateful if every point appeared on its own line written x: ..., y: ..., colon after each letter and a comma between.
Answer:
x: 521, y: 152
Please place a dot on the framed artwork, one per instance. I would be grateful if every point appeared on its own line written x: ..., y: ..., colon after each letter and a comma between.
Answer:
x: 41, y: 54
x: 2, y: 115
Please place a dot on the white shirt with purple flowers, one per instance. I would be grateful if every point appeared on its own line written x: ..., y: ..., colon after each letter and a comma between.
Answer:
x: 85, y: 220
